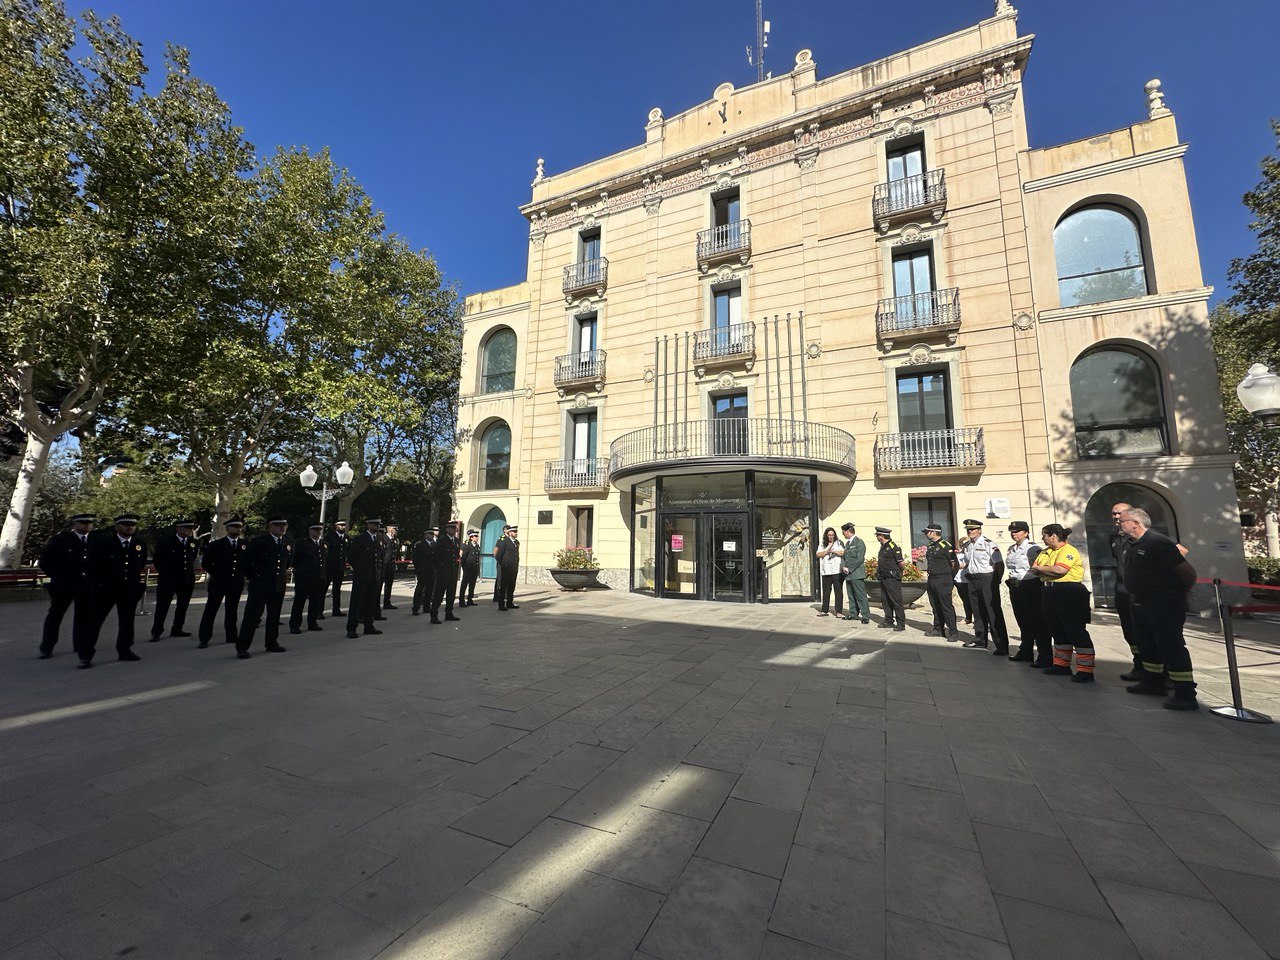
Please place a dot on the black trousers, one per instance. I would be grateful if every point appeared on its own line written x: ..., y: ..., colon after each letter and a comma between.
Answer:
x: 1026, y: 598
x: 986, y: 623
x: 308, y: 592
x: 1158, y: 622
x: 1124, y: 610
x: 424, y: 589
x: 445, y: 591
x: 891, y: 601
x: 261, y: 601
x: 507, y: 585
x: 833, y: 583
x: 944, y: 609
x: 333, y: 581
x: 966, y: 601
x: 362, y: 605
x: 102, y: 600
x: 467, y: 592
x: 388, y: 579
x: 220, y: 592
x: 61, y: 598
x: 167, y: 590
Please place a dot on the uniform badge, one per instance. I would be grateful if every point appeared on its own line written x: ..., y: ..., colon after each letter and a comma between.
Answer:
x: 138, y: 547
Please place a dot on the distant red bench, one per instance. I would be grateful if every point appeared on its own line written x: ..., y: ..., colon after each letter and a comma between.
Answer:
x: 30, y: 577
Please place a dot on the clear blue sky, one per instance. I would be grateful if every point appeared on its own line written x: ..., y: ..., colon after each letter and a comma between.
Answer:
x: 441, y: 108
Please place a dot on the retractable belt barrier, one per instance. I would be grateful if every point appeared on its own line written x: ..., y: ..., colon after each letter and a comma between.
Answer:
x: 1237, y: 710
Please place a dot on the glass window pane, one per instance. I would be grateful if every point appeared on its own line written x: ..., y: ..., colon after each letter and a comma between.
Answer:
x: 927, y: 510
x: 705, y: 491
x: 642, y: 495
x: 495, y: 457
x: 642, y: 574
x: 780, y: 489
x: 1099, y: 256
x: 1120, y: 442
x: 1114, y: 386
x: 786, y: 568
x: 500, y: 362
x: 1102, y: 287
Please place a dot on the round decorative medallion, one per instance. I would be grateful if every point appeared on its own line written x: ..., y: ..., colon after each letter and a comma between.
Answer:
x: 580, y: 400
x: 725, y: 380
x: 904, y: 127
x: 725, y: 272
x: 528, y: 393
x: 648, y: 375
x: 804, y: 57
x: 655, y: 115
x: 814, y: 350
x: 920, y: 353
x: 1024, y: 321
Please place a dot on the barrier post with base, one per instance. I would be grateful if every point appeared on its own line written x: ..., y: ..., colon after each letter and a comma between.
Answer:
x: 1237, y: 711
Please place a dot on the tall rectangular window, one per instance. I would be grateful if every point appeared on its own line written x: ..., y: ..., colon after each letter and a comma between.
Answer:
x: 924, y: 402
x: 589, y: 246
x: 913, y: 273
x: 927, y: 510
x: 905, y: 161
x: 584, y: 436
x: 726, y: 209
x: 727, y: 307
x: 586, y: 333
x: 581, y: 527
x: 729, y: 431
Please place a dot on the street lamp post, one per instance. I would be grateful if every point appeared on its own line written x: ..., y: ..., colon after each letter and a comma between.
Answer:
x: 344, y: 475
x: 1259, y: 393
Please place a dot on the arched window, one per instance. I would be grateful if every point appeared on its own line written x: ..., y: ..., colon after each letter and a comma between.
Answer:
x: 495, y: 457
x: 1116, y: 400
x: 498, y: 369
x: 1099, y: 254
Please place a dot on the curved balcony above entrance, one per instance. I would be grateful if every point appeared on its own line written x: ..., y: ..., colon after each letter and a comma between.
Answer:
x: 701, y: 445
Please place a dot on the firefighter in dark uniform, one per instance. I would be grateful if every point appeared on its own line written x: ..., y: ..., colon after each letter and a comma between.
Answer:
x: 424, y: 569
x: 889, y: 564
x: 335, y: 565
x: 507, y: 553
x: 266, y: 572
x: 446, y: 589
x: 114, y: 567
x: 223, y: 563
x: 390, y: 554
x: 62, y: 561
x: 175, y: 562
x: 941, y: 567
x: 309, y: 565
x: 470, y: 569
x: 364, y: 554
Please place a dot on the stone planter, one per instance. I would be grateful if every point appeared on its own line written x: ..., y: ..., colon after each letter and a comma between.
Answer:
x: 575, y: 579
x: 911, y: 592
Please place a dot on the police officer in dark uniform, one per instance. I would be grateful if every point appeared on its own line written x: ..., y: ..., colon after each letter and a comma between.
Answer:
x: 447, y: 557
x: 424, y: 569
x: 114, y: 567
x: 62, y: 561
x: 390, y: 554
x: 941, y: 567
x: 175, y: 563
x: 266, y: 564
x: 335, y: 565
x: 364, y: 553
x: 309, y: 565
x: 470, y: 569
x: 507, y: 553
x: 889, y: 572
x: 223, y: 563
x: 497, y: 577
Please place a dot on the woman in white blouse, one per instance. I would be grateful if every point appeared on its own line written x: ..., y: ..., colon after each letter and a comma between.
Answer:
x: 829, y: 555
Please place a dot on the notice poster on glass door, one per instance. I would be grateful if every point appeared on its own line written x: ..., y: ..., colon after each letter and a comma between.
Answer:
x: 677, y: 542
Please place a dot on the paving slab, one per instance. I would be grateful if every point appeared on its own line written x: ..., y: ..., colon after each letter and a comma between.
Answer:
x: 716, y: 912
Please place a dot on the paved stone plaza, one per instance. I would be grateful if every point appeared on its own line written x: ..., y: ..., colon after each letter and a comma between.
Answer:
x: 603, y: 776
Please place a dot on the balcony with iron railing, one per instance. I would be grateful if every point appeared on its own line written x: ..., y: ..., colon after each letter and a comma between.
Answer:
x: 725, y: 242
x: 931, y: 452
x: 921, y: 193
x: 584, y: 367
x: 570, y: 475
x: 727, y: 344
x: 586, y: 275
x: 742, y: 442
x: 934, y: 311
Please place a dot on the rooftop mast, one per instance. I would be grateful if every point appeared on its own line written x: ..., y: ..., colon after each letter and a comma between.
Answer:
x: 755, y: 55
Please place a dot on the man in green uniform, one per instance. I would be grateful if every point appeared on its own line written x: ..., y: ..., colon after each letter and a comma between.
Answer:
x: 855, y: 575
x: 941, y: 567
x: 889, y: 565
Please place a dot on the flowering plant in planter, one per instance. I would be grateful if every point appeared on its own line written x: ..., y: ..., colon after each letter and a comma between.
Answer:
x: 575, y: 558
x: 910, y: 573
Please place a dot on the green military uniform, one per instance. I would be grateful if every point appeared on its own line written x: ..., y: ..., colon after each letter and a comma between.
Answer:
x: 940, y: 568
x: 855, y: 577
x: 889, y: 573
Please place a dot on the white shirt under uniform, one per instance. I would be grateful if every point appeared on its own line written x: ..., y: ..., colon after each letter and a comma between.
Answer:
x: 1018, y: 560
x: 980, y: 556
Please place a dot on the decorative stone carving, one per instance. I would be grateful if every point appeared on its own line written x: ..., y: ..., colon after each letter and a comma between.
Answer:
x: 538, y: 174
x: 1008, y: 71
x: 706, y: 166
x: 1004, y: 8
x: 804, y: 59
x: 723, y: 180
x: 655, y: 116
x: 528, y: 393
x: 538, y: 228
x: 589, y: 220
x: 580, y: 401
x: 583, y: 306
x: 930, y: 96
x: 877, y: 108
x: 904, y: 127
x: 814, y: 350
x: 919, y: 354
x: 988, y: 77
x: 652, y: 193
x: 1155, y: 100
x: 649, y: 375
x: 724, y: 273
x: 911, y: 233
x: 725, y: 380
x: 1001, y: 104
x: 1024, y: 321
x: 806, y: 139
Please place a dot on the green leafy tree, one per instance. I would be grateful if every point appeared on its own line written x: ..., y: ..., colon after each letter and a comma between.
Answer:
x: 119, y: 209
x: 1258, y: 448
x: 1256, y: 278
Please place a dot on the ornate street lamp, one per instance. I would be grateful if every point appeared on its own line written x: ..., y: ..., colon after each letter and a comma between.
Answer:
x: 344, y: 475
x: 1259, y: 393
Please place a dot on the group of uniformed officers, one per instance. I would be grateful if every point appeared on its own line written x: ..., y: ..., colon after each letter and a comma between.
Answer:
x: 94, y: 573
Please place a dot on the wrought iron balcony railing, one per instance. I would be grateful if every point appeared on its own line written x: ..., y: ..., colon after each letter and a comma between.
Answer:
x: 586, y: 275
x: 924, y: 191
x: 934, y: 309
x: 587, y: 366
x: 728, y: 240
x: 931, y: 450
x: 724, y: 343
x: 745, y: 439
x: 592, y: 474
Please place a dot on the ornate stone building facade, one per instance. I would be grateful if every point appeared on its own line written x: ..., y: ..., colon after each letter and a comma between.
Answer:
x: 856, y: 298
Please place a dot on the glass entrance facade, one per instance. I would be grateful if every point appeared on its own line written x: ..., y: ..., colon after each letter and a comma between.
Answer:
x: 740, y: 536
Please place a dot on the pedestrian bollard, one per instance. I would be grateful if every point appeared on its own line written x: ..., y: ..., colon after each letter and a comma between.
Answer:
x: 1237, y: 711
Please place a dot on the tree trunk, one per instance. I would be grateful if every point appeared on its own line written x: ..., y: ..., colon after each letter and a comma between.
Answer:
x: 1271, y: 524
x: 35, y: 460
x: 223, y: 500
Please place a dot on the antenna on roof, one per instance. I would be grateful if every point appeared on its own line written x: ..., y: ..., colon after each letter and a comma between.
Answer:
x: 755, y: 55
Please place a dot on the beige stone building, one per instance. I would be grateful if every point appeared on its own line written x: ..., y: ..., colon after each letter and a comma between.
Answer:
x: 862, y: 297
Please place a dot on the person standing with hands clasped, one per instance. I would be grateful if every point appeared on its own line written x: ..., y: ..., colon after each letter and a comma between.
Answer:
x: 1025, y: 592
x: 980, y: 558
x: 829, y: 565
x: 941, y: 566
x: 471, y: 556
x: 1066, y: 603
x: 889, y: 564
x: 1158, y: 578
x: 854, y: 566
x: 507, y: 553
